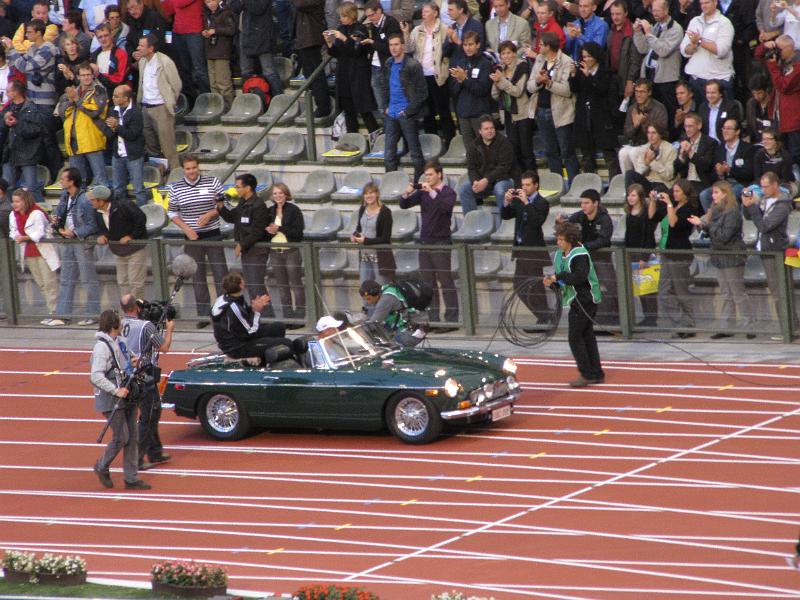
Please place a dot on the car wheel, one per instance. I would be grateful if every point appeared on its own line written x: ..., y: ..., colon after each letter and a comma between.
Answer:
x: 413, y: 419
x: 223, y: 417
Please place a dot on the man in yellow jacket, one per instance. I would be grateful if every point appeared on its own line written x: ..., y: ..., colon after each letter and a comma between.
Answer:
x: 83, y: 110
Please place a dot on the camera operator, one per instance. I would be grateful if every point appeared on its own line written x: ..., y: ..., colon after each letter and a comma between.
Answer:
x: 143, y: 340
x: 785, y: 73
x: 108, y: 362
x: 408, y: 325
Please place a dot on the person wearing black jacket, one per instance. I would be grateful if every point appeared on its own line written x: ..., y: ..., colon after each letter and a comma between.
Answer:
x: 286, y: 224
x: 406, y: 103
x: 772, y: 157
x: 695, y: 161
x: 126, y: 141
x: 718, y: 107
x: 238, y: 329
x: 471, y: 87
x: 120, y: 222
x: 733, y: 161
x: 374, y: 227
x: 309, y: 23
x: 250, y: 220
x: 640, y: 234
x: 529, y: 211
x: 596, y: 231
x: 380, y: 29
x: 491, y: 168
x: 141, y: 19
x: 257, y: 41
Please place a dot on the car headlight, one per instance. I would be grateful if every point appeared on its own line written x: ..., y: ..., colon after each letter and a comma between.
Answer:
x: 512, y: 382
x: 477, y: 396
x: 451, y: 387
x: 509, y: 367
x: 488, y: 389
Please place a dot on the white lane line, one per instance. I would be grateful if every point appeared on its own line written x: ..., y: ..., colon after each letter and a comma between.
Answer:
x: 576, y: 493
x: 662, y: 368
x: 568, y: 362
x: 87, y: 352
x: 647, y: 408
x: 48, y: 396
x: 599, y: 390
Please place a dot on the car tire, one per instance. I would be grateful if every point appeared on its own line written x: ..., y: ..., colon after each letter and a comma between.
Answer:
x: 413, y: 419
x: 223, y: 417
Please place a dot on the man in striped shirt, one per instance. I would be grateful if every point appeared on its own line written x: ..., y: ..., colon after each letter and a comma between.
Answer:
x: 192, y: 207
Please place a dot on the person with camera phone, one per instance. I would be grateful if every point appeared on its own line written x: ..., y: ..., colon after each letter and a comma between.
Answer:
x: 110, y: 366
x: 784, y: 71
x: 145, y: 342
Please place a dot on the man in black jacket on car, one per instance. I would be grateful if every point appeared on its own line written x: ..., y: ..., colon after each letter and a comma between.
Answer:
x: 596, y: 231
x: 405, y: 87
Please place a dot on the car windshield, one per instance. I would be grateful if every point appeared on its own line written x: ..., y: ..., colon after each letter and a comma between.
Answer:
x: 357, y: 343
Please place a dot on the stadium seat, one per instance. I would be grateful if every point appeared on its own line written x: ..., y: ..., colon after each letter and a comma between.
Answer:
x: 208, y: 109
x: 431, y: 148
x: 393, y: 185
x: 263, y: 177
x: 289, y: 147
x: 375, y: 155
x: 750, y: 232
x: 346, y: 231
x: 213, y: 146
x: 792, y: 228
x: 246, y: 108
x: 243, y: 142
x: 582, y: 181
x: 181, y: 108
x: 456, y: 154
x: 43, y: 175
x: 754, y: 271
x: 618, y: 237
x: 505, y: 233
x: 152, y: 178
x: 353, y: 186
x: 407, y: 260
x: 324, y: 121
x: 285, y: 68
x: 156, y: 219
x: 220, y: 174
x: 356, y: 141
x: 54, y: 189
x: 615, y: 195
x: 487, y: 263
x: 184, y: 141
x: 549, y: 228
x: 405, y: 224
x: 174, y: 175
x: 332, y: 262
x: 325, y: 224
x: 478, y: 225
x: 318, y: 187
x: 275, y: 108
x: 551, y: 186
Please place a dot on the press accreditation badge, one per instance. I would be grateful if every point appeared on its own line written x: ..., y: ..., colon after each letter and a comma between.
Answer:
x: 245, y: 220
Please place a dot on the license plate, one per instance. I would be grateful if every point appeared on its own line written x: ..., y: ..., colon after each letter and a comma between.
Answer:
x: 501, y: 413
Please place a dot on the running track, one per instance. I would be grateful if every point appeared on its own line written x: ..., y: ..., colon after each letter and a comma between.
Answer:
x: 671, y: 480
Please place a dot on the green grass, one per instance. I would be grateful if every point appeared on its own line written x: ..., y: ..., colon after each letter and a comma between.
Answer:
x: 87, y: 590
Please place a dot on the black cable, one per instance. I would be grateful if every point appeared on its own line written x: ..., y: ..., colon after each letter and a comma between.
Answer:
x: 514, y: 311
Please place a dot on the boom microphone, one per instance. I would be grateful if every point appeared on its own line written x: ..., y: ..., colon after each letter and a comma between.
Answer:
x: 183, y: 267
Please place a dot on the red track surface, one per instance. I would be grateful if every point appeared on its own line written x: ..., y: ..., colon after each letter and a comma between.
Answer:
x: 669, y: 481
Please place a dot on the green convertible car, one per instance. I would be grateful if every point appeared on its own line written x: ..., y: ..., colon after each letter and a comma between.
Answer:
x: 354, y: 380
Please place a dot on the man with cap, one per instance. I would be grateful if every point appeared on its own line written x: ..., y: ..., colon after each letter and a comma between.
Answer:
x: 596, y: 231
x: 328, y: 326
x: 407, y: 325
x: 119, y: 223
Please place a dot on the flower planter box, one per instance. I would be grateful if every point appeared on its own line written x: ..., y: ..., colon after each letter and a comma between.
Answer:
x: 186, y: 591
x: 16, y: 576
x: 50, y: 579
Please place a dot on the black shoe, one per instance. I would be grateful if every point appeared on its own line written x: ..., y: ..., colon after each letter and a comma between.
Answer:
x: 202, y: 324
x: 321, y: 113
x: 603, y: 333
x: 751, y: 336
x: 104, y: 477
x: 683, y: 335
x: 720, y: 336
x: 445, y: 329
x: 137, y: 484
x: 161, y: 459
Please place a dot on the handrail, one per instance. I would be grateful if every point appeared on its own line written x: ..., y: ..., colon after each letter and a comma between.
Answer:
x: 269, y: 126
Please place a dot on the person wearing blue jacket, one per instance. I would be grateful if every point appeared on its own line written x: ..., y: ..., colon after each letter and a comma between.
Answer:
x: 74, y: 219
x: 587, y: 28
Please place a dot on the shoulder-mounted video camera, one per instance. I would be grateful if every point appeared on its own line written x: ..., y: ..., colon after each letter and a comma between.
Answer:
x: 153, y: 311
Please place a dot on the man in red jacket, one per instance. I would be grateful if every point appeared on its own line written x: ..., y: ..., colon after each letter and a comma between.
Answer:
x: 189, y: 47
x: 784, y: 70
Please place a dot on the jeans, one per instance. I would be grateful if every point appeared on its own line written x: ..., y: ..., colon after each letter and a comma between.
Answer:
x: 705, y: 195
x: 558, y: 144
x: 191, y: 54
x: 268, y: 70
x: 408, y: 129
x: 377, y: 81
x: 77, y: 262
x: 126, y: 170
x: 284, y: 14
x: 29, y: 179
x: 90, y: 164
x: 469, y: 199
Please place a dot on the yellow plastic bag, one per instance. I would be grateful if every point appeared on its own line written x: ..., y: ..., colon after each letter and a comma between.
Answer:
x: 161, y: 197
x: 645, y: 281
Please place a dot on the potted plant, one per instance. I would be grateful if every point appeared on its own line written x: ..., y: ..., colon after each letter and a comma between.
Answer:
x: 455, y: 595
x: 61, y: 569
x: 189, y: 579
x: 19, y: 567
x: 333, y: 592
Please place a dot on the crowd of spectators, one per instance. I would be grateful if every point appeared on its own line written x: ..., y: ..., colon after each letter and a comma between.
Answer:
x: 696, y: 101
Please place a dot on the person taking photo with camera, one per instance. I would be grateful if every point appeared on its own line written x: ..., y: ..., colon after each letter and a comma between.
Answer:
x: 144, y: 341
x: 783, y: 70
x: 109, y: 363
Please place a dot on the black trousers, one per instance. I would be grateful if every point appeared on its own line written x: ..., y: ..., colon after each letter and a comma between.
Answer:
x: 439, y: 104
x: 348, y: 106
x: 582, y: 341
x: 520, y: 134
x: 149, y: 415
x: 268, y: 336
x: 434, y: 266
x: 528, y: 266
x: 310, y: 59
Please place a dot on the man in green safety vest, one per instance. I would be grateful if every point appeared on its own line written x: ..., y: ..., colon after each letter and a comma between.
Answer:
x: 580, y: 288
x: 393, y: 309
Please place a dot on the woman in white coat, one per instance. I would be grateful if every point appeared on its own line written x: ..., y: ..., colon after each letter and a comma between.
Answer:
x: 28, y: 227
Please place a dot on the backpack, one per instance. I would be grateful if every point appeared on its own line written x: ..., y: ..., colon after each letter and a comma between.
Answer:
x: 418, y: 294
x: 260, y: 87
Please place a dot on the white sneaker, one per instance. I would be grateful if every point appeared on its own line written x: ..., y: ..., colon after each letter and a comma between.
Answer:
x: 45, y: 321
x: 56, y: 323
x: 87, y: 322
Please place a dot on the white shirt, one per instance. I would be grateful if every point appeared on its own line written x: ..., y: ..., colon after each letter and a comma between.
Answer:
x: 121, y: 150
x: 428, y: 67
x: 703, y: 64
x: 713, y: 112
x: 4, y: 71
x: 103, y: 61
x: 150, y: 91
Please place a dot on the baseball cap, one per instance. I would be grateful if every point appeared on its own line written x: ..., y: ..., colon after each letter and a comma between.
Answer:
x: 328, y: 322
x: 101, y: 192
